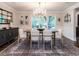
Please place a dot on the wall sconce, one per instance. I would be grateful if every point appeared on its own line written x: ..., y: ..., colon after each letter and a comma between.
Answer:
x: 21, y: 21
x: 59, y: 19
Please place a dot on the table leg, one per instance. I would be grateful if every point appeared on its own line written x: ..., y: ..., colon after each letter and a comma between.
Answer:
x: 53, y: 39
x: 43, y: 41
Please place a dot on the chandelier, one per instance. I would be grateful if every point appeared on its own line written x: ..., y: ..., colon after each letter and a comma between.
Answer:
x: 40, y: 10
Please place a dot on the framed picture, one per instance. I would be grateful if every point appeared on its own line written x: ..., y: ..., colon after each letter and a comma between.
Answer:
x: 26, y: 17
x: 21, y: 21
x: 67, y: 18
x: 26, y: 20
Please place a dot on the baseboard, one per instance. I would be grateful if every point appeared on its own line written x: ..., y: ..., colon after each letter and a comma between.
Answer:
x: 71, y: 41
x: 8, y: 47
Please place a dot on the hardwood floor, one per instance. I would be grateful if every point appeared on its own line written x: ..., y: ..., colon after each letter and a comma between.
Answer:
x: 6, y: 45
x: 22, y: 49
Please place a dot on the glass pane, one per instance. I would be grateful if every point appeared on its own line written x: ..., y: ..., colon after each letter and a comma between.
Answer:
x: 44, y: 22
x: 9, y: 14
x: 9, y: 18
x: 4, y: 21
x: 51, y: 23
x: 1, y: 16
x: 0, y: 20
x: 0, y: 11
x: 4, y: 12
x: 35, y: 23
x: 4, y: 17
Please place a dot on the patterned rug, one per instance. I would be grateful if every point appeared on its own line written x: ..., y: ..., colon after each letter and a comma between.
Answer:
x: 22, y: 49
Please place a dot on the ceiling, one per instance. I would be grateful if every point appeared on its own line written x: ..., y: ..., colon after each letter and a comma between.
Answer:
x: 52, y: 6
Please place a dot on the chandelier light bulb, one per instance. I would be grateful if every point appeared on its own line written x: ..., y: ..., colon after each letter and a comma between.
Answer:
x: 40, y: 10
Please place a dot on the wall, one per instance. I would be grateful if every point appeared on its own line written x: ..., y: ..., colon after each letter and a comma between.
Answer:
x: 6, y: 7
x: 58, y: 15
x: 69, y: 29
x: 17, y: 14
x: 24, y: 26
x: 29, y: 13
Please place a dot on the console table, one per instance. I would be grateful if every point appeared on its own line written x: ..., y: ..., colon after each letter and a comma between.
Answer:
x: 7, y: 35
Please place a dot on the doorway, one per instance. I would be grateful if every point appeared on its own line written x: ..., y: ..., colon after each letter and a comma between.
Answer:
x: 78, y: 20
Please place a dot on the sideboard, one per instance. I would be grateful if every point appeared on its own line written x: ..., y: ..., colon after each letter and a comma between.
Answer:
x: 6, y: 35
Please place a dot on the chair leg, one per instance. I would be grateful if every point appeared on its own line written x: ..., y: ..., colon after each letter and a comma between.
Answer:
x: 18, y: 40
x: 61, y: 42
x: 51, y: 45
x: 38, y: 44
x: 43, y: 46
x: 30, y: 45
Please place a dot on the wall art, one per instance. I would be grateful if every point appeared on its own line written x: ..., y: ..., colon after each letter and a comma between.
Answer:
x: 67, y: 18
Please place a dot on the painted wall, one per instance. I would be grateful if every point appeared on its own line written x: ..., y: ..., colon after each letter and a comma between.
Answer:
x: 69, y: 29
x: 29, y: 14
x: 17, y: 17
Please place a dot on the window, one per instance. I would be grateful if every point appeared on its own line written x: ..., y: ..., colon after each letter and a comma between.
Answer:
x: 48, y: 22
x: 51, y: 23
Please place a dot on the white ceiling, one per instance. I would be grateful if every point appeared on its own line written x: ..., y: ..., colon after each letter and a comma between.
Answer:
x: 53, y: 6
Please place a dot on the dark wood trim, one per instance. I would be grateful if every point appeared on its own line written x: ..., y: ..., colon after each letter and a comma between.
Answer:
x: 7, y: 35
x: 5, y: 10
x: 5, y: 23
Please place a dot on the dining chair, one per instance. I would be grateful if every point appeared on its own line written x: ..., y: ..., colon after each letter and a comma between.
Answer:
x: 34, y: 38
x: 47, y: 38
x: 22, y: 35
x: 59, y: 36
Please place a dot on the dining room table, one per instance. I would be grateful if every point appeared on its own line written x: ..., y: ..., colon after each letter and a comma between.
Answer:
x: 41, y: 37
